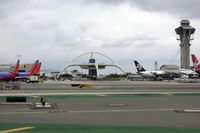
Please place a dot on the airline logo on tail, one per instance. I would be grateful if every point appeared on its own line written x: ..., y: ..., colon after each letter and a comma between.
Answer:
x: 33, y: 69
x: 16, y: 68
x: 22, y: 75
x: 6, y: 76
x: 37, y: 70
x: 14, y: 73
x: 139, y: 67
x: 195, y: 63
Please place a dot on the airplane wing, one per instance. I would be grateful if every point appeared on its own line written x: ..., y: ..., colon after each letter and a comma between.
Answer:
x: 188, y: 72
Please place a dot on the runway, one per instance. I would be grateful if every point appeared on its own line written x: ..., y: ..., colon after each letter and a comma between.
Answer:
x: 133, y: 111
x: 103, y: 87
x: 16, y: 93
x: 113, y: 105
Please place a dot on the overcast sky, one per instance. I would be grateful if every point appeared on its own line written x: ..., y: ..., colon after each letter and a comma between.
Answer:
x: 56, y: 31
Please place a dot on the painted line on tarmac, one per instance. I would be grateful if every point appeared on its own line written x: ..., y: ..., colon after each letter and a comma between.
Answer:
x: 192, y: 110
x: 17, y: 129
x: 63, y: 86
x: 129, y: 110
x: 94, y: 93
x: 168, y: 94
x: 32, y: 96
x: 116, y: 104
x: 14, y: 113
x: 102, y: 95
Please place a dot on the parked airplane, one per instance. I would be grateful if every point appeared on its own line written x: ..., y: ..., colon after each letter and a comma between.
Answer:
x: 6, y: 76
x: 196, y: 63
x: 145, y: 73
x: 22, y: 75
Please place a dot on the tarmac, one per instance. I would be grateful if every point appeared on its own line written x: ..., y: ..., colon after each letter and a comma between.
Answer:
x: 126, y: 103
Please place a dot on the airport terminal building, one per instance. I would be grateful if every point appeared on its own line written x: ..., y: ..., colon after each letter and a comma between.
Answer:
x: 10, y: 67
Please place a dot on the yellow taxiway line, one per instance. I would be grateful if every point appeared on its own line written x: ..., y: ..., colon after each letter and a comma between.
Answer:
x: 167, y: 94
x: 32, y: 96
x: 102, y: 95
x: 17, y: 129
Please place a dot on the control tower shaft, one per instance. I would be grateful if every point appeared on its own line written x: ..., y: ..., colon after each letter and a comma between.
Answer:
x: 185, y: 31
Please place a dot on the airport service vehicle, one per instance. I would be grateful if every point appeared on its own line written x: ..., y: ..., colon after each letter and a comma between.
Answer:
x: 7, y: 76
x: 22, y: 75
x: 145, y: 73
x: 31, y: 79
x: 196, y: 63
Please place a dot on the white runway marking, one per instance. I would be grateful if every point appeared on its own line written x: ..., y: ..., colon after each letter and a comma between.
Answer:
x: 192, y: 110
x: 129, y: 110
x: 94, y: 93
x: 14, y: 113
x: 196, y: 110
x: 117, y: 104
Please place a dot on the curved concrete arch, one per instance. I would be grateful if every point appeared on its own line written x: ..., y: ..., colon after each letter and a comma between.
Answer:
x: 106, y: 57
x: 96, y: 63
x: 80, y: 56
x: 117, y: 65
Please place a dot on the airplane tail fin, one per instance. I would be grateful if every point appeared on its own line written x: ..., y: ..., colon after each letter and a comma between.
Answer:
x: 194, y: 60
x: 34, y: 67
x: 139, y: 67
x: 195, y: 63
x: 38, y: 68
x: 16, y: 67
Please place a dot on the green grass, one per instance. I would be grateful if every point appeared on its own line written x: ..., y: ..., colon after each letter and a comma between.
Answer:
x: 78, y: 128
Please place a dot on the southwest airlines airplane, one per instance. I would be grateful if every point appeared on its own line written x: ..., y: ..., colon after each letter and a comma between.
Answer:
x: 6, y: 76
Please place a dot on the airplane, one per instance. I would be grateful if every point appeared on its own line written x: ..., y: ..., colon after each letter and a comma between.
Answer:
x: 196, y: 63
x: 22, y: 75
x: 7, y: 76
x: 145, y: 73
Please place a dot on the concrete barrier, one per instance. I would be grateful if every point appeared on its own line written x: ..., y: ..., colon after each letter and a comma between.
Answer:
x: 15, y: 99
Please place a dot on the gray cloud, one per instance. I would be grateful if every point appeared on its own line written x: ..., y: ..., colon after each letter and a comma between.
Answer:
x: 8, y: 7
x: 62, y: 29
x: 182, y: 8
x: 138, y: 40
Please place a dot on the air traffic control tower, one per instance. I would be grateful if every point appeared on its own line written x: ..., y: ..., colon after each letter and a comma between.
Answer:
x: 185, y: 31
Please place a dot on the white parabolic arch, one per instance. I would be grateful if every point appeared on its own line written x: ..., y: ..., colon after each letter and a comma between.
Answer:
x: 96, y: 65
